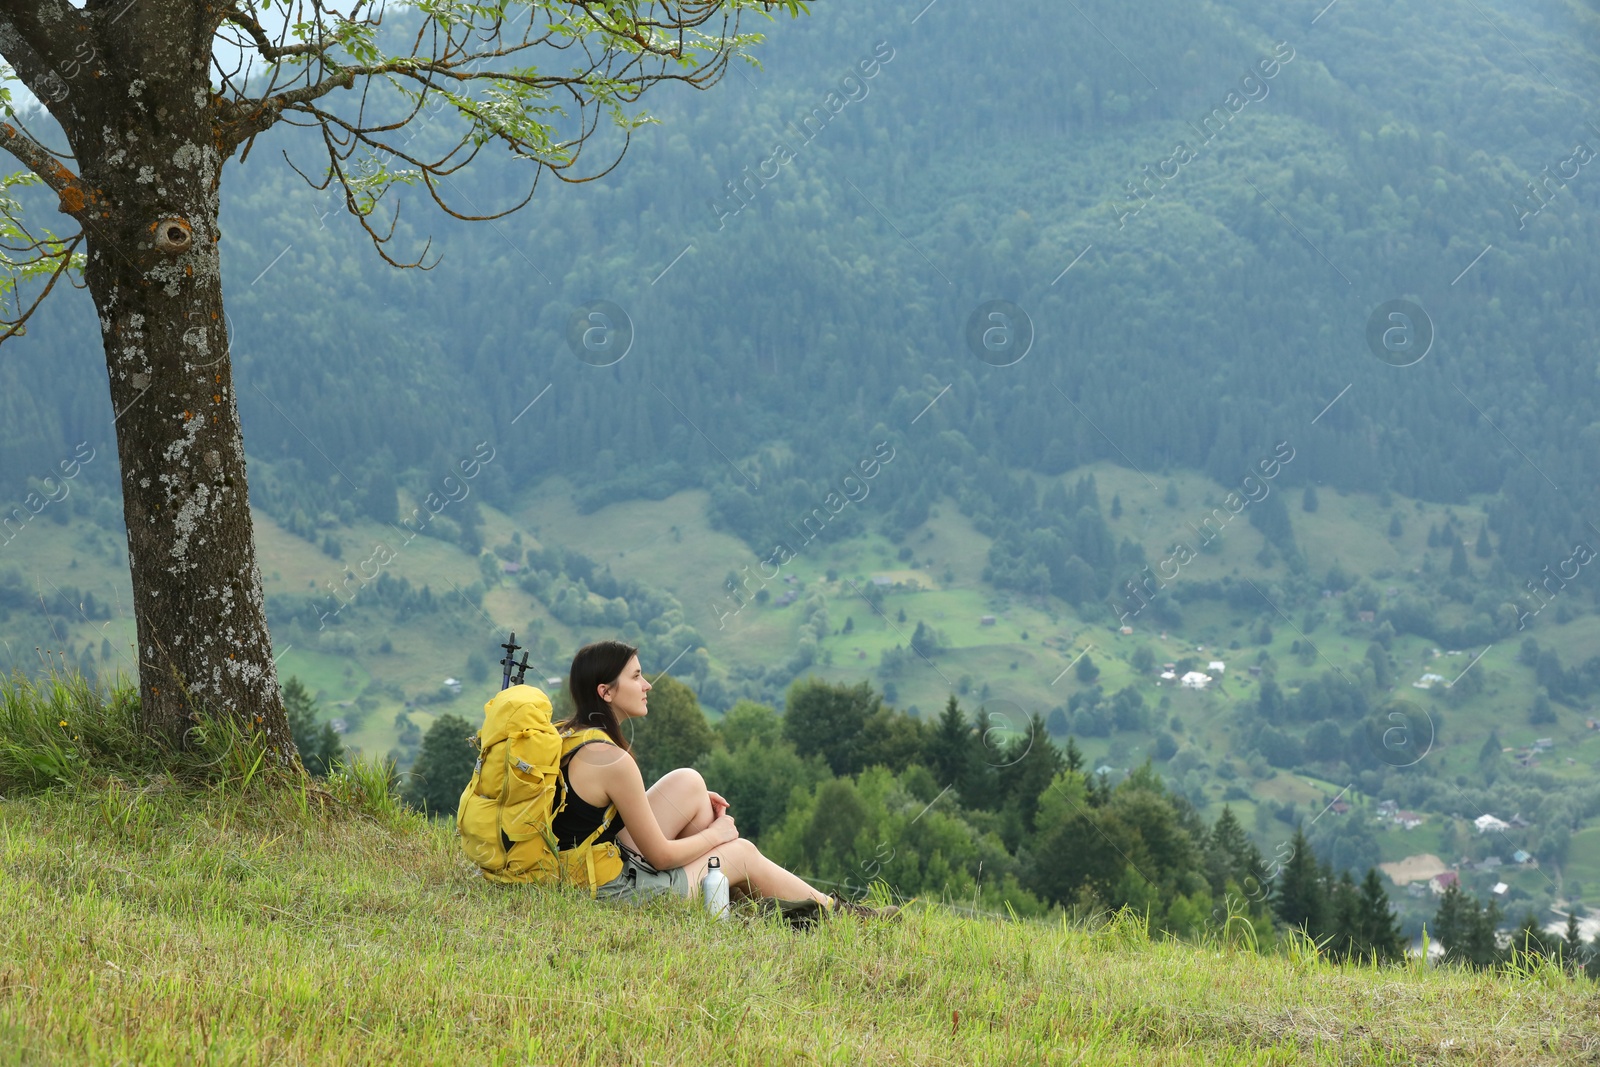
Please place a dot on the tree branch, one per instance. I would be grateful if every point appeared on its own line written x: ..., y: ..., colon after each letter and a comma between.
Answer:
x: 247, y: 22
x: 50, y: 170
x: 64, y: 262
x: 246, y: 119
x: 480, y: 75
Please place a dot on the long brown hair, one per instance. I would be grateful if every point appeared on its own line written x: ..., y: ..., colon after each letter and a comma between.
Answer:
x: 597, y: 664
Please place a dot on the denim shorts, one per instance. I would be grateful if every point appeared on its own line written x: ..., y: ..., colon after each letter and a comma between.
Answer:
x: 640, y: 882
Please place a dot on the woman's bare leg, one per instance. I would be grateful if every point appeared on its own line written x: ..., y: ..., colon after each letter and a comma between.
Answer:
x: 681, y: 805
x: 752, y: 874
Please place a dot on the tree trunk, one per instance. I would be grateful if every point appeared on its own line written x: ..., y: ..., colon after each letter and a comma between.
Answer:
x: 151, y: 170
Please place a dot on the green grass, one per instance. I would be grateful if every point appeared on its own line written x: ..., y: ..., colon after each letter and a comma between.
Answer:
x: 1397, y: 844
x: 330, y: 677
x: 190, y: 904
x: 234, y: 926
x: 1583, y: 857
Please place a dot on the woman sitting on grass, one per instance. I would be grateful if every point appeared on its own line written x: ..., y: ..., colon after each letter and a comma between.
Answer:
x: 667, y: 834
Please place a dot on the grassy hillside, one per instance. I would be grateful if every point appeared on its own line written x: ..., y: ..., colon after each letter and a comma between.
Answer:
x: 368, y: 669
x: 1015, y: 664
x: 238, y: 927
x: 669, y: 544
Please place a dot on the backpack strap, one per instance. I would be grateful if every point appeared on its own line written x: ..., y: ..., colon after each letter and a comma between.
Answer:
x: 566, y: 757
x: 505, y: 789
x: 587, y: 845
x: 567, y: 734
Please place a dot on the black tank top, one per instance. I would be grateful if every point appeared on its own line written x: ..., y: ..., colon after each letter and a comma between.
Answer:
x: 579, y: 818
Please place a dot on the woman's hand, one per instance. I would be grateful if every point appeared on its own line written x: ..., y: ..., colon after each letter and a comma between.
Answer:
x: 718, y: 805
x: 723, y: 829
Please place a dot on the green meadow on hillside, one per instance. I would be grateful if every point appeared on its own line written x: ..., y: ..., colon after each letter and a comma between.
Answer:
x: 669, y: 544
x: 255, y: 924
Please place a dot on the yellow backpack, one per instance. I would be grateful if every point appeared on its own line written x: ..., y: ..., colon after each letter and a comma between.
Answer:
x: 506, y: 810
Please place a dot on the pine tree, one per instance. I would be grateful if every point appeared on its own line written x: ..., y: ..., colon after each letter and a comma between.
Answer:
x: 1395, y: 529
x: 1344, y: 919
x: 1308, y: 499
x: 1271, y: 517
x: 1096, y: 790
x: 1382, y: 666
x: 1116, y: 507
x: 380, y: 498
x: 1451, y: 922
x: 1467, y: 929
x: 1482, y: 950
x: 443, y: 767
x: 1086, y: 494
x: 1458, y: 560
x: 1301, y: 899
x: 1269, y: 701
x: 1231, y: 856
x: 1074, y: 756
x: 978, y: 781
x: 1572, y: 942
x: 320, y: 748
x: 951, y: 750
x: 1377, y: 925
x: 1483, y: 549
x: 1489, y: 756
x: 1032, y: 763
x: 1087, y: 670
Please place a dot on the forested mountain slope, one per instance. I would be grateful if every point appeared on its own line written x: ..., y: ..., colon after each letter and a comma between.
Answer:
x: 1206, y: 316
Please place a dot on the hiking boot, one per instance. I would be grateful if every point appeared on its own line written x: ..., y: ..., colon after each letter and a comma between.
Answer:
x: 799, y: 914
x: 862, y: 911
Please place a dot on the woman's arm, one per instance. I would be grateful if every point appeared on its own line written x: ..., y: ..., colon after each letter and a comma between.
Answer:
x: 624, y: 787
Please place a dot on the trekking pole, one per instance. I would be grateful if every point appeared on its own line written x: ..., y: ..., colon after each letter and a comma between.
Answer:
x: 510, y: 660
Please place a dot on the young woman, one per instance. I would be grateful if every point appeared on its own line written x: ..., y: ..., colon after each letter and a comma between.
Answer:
x: 667, y: 834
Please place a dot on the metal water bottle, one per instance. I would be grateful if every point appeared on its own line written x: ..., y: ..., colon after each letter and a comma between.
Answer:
x: 714, y: 888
